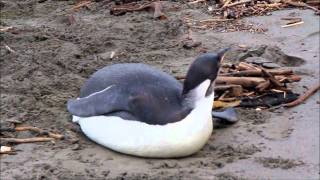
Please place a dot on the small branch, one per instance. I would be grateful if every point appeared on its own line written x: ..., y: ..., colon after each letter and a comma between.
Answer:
x: 226, y: 3
x: 26, y: 140
x: 156, y: 6
x: 81, y: 4
x: 214, y: 20
x: 246, y: 82
x: 196, y: 1
x: 5, y: 150
x: 5, y: 29
x: 293, y: 24
x: 300, y: 4
x: 40, y: 131
x: 246, y: 66
x: 303, y: 97
x: 235, y: 90
x: 263, y: 86
x: 9, y: 49
x: 237, y: 3
x: 272, y: 79
x: 259, y: 72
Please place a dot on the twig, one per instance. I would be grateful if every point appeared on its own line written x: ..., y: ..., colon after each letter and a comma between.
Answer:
x: 272, y: 79
x: 301, y: 4
x: 223, y: 95
x: 237, y: 3
x: 6, y: 29
x: 196, y: 1
x: 26, y: 140
x: 246, y: 82
x: 6, y: 150
x: 214, y: 20
x: 9, y: 49
x: 112, y: 54
x: 40, y: 131
x: 293, y: 24
x: 303, y: 97
x: 81, y: 4
x: 226, y: 3
x: 273, y: 5
x: 235, y: 90
x: 291, y: 19
x: 263, y: 86
x: 156, y: 6
x: 259, y: 73
x: 246, y: 66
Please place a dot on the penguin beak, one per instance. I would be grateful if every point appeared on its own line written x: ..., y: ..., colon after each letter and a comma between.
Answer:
x: 221, y: 53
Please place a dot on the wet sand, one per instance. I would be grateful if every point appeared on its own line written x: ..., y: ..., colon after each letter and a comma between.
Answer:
x: 53, y: 59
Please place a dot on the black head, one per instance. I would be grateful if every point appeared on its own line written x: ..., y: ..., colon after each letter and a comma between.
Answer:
x: 204, y: 67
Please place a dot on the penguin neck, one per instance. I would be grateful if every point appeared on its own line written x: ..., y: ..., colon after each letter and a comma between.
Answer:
x: 195, y: 96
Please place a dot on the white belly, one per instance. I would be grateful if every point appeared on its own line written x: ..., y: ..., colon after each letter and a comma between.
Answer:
x: 177, y: 139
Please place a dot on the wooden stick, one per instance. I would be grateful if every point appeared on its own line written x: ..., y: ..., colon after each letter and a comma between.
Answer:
x: 226, y: 3
x: 263, y: 86
x: 81, y: 4
x: 6, y: 29
x: 196, y: 1
x: 288, y: 79
x: 273, y: 5
x: 157, y: 7
x: 272, y: 79
x: 5, y: 149
x: 246, y: 82
x: 214, y: 20
x: 293, y: 24
x: 235, y: 90
x: 300, y: 4
x: 291, y: 18
x: 40, y: 131
x: 259, y: 72
x: 26, y: 140
x: 237, y: 3
x: 9, y: 49
x: 246, y: 66
x: 303, y: 97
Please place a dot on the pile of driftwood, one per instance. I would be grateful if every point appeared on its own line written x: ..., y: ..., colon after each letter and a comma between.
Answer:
x: 238, y: 8
x: 250, y: 85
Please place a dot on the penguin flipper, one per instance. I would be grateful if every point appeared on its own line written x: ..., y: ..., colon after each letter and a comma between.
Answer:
x: 229, y: 115
x: 102, y: 102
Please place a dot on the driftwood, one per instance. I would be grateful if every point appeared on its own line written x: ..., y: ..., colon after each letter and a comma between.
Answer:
x: 5, y: 29
x: 196, y: 1
x: 156, y: 6
x: 288, y: 79
x: 234, y: 90
x: 246, y: 82
x: 40, y: 131
x: 7, y: 150
x: 263, y: 86
x: 237, y: 3
x: 292, y: 24
x: 272, y: 79
x: 81, y: 4
x: 259, y: 72
x: 301, y: 4
x: 246, y: 66
x: 26, y: 140
x: 303, y: 97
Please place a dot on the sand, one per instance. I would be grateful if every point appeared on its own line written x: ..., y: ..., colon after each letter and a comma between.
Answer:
x: 52, y: 59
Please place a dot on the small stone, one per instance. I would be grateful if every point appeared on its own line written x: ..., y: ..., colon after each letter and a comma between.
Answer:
x: 271, y: 65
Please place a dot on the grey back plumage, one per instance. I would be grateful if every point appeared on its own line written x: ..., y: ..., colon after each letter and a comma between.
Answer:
x: 149, y: 95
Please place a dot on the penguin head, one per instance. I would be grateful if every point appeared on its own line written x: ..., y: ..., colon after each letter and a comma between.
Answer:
x: 205, y: 67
